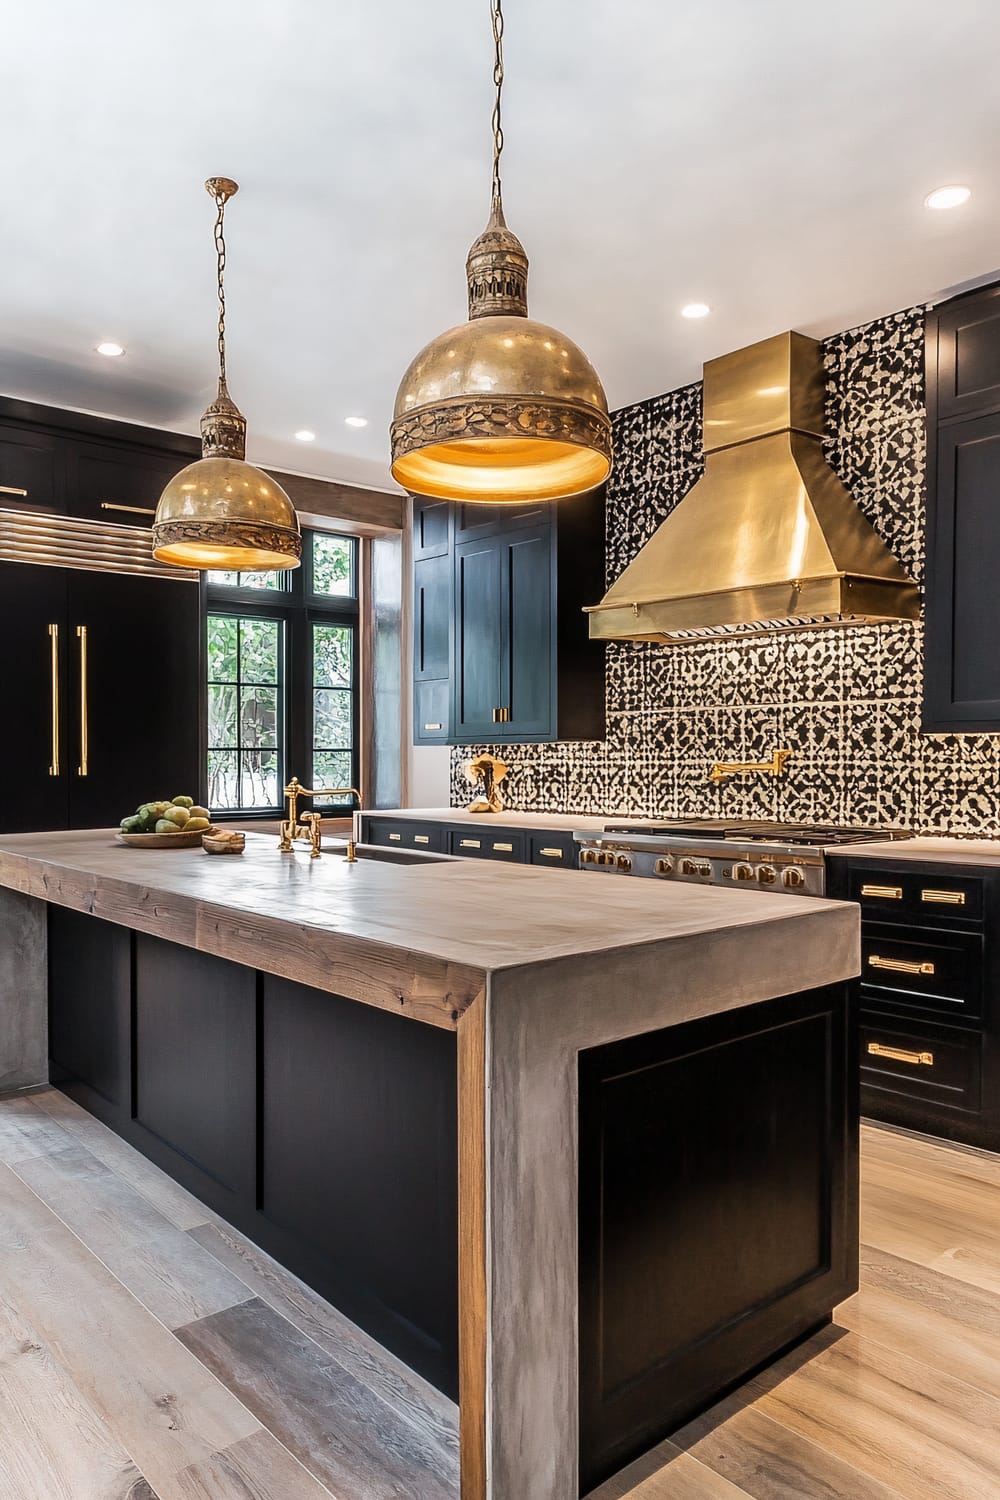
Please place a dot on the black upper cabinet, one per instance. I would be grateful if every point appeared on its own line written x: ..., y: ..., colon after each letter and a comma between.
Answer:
x: 501, y: 649
x: 31, y: 469
x: 962, y: 668
x: 34, y: 778
x: 117, y: 483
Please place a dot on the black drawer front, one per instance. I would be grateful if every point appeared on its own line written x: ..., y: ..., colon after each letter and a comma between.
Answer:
x: 559, y: 851
x: 426, y: 836
x: 936, y: 898
x: 923, y: 969
x: 927, y: 1063
x: 488, y: 843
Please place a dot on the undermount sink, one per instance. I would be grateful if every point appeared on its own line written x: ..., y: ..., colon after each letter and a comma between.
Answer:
x: 386, y: 855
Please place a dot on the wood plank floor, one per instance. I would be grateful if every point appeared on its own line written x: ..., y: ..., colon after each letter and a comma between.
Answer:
x: 149, y: 1352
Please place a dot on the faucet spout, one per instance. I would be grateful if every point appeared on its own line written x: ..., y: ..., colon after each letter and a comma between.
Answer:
x: 310, y: 826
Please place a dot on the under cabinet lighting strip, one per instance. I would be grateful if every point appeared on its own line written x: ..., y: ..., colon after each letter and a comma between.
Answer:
x: 91, y: 546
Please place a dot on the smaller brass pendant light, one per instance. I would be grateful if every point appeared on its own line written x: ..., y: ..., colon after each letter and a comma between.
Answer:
x: 221, y: 512
x: 501, y: 408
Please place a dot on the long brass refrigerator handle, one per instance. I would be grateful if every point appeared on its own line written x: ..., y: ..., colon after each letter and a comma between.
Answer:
x: 54, y: 643
x: 13, y: 489
x: 81, y: 631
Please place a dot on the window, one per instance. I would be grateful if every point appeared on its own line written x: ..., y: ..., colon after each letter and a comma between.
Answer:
x: 282, y: 678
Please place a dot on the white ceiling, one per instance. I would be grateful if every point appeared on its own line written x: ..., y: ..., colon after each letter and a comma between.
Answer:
x: 769, y: 157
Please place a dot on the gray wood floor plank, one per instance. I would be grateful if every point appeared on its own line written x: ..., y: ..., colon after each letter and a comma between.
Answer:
x: 158, y: 1400
x: 400, y: 1387
x: 171, y: 1274
x: 26, y: 1130
x: 173, y: 1201
x: 258, y: 1468
x: 53, y: 1445
x: 353, y: 1442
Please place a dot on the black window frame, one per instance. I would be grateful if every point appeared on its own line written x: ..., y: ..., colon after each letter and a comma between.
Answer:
x: 299, y: 607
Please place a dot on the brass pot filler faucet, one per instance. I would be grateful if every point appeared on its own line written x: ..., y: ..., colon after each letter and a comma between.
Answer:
x: 310, y: 824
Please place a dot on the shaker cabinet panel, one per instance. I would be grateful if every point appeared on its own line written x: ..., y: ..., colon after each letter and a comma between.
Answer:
x: 31, y: 469
x: 432, y: 618
x: 116, y: 484
x: 527, y: 622
x: 34, y: 769
x: 477, y: 638
x: 966, y: 336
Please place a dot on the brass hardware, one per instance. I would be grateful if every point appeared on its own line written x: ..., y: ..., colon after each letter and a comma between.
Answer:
x: 900, y: 965
x: 310, y: 825
x: 695, y: 867
x: 773, y: 767
x: 13, y: 489
x: 221, y: 512
x: 395, y: 837
x: 551, y: 853
x: 944, y: 898
x: 496, y: 716
x: 131, y: 510
x: 486, y: 772
x: 806, y: 554
x: 500, y: 716
x: 421, y: 838
x: 606, y: 857
x: 501, y: 408
x: 792, y: 879
x: 469, y: 844
x: 899, y: 1054
x: 92, y: 546
x: 54, y: 642
x: 588, y: 857
x: 766, y: 875
x: 663, y: 866
x: 504, y: 848
x: 743, y: 872
x: 883, y: 892
x: 428, y: 727
x: 623, y: 862
x: 81, y: 631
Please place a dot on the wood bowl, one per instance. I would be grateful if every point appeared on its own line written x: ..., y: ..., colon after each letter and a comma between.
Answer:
x: 178, y: 840
x: 212, y: 843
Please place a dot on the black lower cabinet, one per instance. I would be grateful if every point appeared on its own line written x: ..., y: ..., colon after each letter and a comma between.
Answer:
x: 718, y: 1210
x: 90, y: 1026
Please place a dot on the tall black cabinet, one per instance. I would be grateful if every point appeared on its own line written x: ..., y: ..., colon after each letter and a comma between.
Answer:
x: 962, y: 669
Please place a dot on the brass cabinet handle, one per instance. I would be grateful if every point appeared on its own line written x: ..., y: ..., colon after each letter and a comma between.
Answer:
x: 899, y: 1054
x: 395, y: 837
x: 551, y: 853
x: 469, y: 844
x: 13, y: 489
x: 131, y: 510
x: 504, y: 848
x: 887, y: 892
x: 81, y: 631
x: 501, y: 716
x: 900, y: 965
x: 496, y: 716
x: 433, y: 726
x: 944, y: 898
x: 54, y: 642
x: 421, y: 838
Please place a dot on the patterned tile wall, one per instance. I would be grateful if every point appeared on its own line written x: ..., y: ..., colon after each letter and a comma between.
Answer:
x: 847, y: 701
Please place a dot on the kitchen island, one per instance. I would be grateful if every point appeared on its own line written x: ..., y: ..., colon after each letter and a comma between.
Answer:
x: 582, y: 1152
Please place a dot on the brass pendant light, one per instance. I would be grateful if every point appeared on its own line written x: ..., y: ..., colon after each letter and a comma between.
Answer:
x: 221, y: 512
x: 501, y: 408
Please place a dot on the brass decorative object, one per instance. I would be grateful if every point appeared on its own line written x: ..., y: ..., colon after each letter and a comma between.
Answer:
x: 723, y: 769
x: 500, y: 409
x: 769, y: 538
x: 486, y: 771
x: 309, y: 826
x: 221, y: 512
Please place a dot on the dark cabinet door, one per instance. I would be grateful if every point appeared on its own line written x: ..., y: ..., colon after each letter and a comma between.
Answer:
x: 965, y: 348
x: 90, y: 999
x: 475, y: 522
x: 431, y: 528
x: 478, y: 643
x: 432, y: 581
x: 135, y: 695
x: 31, y: 465
x: 527, y: 608
x: 115, y: 483
x: 34, y: 769
x: 963, y: 606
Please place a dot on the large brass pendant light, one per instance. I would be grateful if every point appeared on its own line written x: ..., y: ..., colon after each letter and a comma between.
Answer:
x: 501, y: 408
x: 221, y: 512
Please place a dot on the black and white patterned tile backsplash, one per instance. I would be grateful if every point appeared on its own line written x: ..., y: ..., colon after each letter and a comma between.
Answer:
x: 846, y: 701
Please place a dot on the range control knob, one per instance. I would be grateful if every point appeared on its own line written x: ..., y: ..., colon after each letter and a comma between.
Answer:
x: 793, y: 878
x: 624, y: 861
x: 742, y: 872
x: 606, y: 857
x: 664, y: 866
x: 767, y: 875
x: 695, y: 867
x: 588, y: 857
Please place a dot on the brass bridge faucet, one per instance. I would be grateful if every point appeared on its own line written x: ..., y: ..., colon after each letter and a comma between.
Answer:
x: 726, y: 768
x: 310, y: 824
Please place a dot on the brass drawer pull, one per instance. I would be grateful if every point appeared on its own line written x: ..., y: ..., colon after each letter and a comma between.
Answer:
x: 898, y: 1054
x: 132, y: 510
x: 469, y: 844
x: 421, y: 838
x: 429, y: 727
x: 886, y: 892
x: 13, y: 489
x: 900, y: 965
x: 54, y: 639
x: 944, y: 898
x: 395, y: 837
x: 551, y: 853
x: 504, y: 848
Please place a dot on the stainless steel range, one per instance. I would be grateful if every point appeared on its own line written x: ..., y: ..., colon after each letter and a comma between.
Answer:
x: 710, y: 851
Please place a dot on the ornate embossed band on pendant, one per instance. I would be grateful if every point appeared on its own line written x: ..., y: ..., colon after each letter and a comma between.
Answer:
x: 232, y: 534
x: 500, y: 417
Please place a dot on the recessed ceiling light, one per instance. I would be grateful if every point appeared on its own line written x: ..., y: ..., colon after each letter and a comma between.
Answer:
x: 695, y: 310
x: 109, y: 348
x: 356, y: 421
x: 305, y: 436
x: 948, y: 197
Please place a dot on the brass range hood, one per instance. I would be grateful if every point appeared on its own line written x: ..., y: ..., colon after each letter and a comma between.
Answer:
x: 768, y: 539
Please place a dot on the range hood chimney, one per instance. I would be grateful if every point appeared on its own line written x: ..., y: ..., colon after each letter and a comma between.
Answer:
x: 768, y: 539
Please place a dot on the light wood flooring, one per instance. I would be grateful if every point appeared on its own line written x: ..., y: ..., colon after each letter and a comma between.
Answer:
x: 148, y: 1352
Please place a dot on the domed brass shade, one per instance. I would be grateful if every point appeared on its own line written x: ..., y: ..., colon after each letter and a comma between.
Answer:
x: 501, y: 408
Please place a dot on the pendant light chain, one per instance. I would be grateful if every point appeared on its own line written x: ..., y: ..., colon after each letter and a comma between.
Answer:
x: 220, y: 251
x: 497, y: 16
